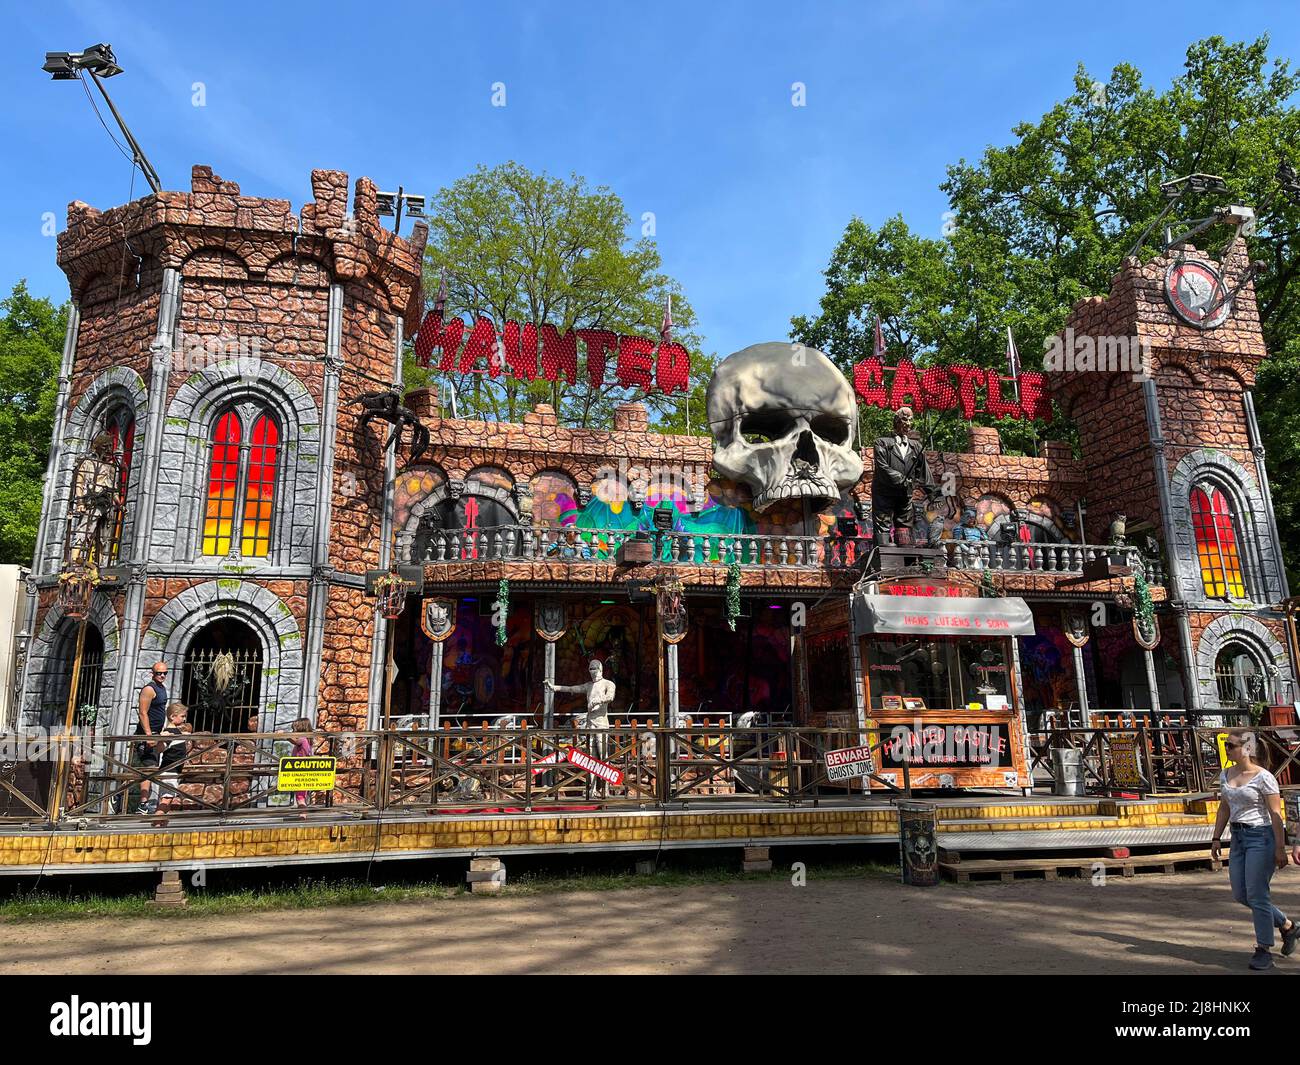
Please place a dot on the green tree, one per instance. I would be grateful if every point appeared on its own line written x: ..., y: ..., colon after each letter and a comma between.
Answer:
x: 1042, y: 222
x: 532, y: 248
x: 31, y: 344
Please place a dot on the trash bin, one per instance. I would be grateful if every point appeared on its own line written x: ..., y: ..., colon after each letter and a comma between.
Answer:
x: 917, y: 844
x: 1067, y: 771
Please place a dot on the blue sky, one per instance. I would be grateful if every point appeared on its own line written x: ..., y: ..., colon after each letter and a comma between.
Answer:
x: 683, y: 109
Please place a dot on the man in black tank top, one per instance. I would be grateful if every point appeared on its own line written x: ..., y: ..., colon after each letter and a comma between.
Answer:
x: 153, y: 717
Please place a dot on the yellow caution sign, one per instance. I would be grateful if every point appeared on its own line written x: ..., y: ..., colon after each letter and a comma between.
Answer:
x: 306, y: 773
x: 1224, y: 760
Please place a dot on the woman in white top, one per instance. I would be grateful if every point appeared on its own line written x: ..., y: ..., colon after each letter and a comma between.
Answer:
x: 1251, y: 802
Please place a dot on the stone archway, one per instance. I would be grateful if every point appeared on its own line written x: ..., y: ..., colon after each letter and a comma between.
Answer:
x: 50, y: 652
x: 1252, y: 635
x: 173, y: 628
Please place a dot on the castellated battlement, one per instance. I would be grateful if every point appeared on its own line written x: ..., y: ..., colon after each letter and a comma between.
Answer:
x: 215, y: 228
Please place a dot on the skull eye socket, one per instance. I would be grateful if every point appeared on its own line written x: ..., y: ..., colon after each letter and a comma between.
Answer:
x: 765, y: 426
x: 830, y: 428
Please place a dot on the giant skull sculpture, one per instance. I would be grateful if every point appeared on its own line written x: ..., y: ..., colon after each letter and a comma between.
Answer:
x: 782, y: 418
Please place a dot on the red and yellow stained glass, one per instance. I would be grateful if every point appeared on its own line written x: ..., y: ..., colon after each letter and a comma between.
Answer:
x: 122, y: 432
x: 223, y: 481
x: 1216, y: 545
x: 260, y: 495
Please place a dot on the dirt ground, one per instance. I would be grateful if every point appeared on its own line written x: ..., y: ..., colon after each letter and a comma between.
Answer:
x: 1186, y: 923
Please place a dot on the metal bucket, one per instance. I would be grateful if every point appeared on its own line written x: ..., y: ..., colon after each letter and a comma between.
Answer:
x: 1067, y: 772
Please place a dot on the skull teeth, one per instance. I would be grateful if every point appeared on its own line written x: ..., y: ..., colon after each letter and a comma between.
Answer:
x: 796, y: 487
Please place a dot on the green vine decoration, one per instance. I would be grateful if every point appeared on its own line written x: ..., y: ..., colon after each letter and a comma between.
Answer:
x: 733, y: 593
x: 502, y: 611
x: 988, y: 589
x: 1143, y: 609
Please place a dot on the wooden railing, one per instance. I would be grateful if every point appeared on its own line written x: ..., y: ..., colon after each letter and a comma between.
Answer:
x: 226, y: 777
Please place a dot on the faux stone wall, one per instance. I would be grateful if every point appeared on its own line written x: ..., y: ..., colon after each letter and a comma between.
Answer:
x: 345, y: 660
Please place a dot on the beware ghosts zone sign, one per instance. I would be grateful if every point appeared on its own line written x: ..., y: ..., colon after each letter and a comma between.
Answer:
x: 849, y: 762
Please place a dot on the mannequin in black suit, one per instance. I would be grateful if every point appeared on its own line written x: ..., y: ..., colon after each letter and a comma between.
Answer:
x: 900, y: 467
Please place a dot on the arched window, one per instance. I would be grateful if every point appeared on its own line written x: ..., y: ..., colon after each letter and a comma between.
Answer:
x: 1215, y: 527
x: 120, y: 426
x: 241, y: 481
x: 1238, y: 676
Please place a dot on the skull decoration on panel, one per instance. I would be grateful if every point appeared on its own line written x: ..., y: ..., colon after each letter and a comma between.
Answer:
x: 782, y: 419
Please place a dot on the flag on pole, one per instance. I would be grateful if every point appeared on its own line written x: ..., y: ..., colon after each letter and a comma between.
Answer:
x: 440, y: 301
x: 878, y: 348
x: 1013, y: 356
x: 666, y: 330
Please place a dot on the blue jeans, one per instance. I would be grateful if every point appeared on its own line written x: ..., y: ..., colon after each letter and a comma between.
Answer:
x: 1250, y: 867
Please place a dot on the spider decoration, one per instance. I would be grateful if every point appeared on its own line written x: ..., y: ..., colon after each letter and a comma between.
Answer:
x: 388, y: 407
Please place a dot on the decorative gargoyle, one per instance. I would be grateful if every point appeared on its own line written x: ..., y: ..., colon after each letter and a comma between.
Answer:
x: 388, y: 407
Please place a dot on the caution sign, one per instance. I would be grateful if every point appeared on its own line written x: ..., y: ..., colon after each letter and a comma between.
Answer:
x: 306, y: 773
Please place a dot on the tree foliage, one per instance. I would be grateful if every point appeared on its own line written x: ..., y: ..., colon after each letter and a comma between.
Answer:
x: 532, y: 248
x: 31, y: 344
x: 1046, y: 220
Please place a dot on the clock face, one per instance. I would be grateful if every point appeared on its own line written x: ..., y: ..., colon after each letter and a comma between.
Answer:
x: 1196, y: 293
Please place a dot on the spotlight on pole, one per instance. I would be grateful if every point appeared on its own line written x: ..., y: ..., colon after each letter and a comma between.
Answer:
x: 99, y: 62
x: 391, y: 205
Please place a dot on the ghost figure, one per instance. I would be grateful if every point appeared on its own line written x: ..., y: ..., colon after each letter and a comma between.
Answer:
x: 599, y: 692
x: 782, y: 417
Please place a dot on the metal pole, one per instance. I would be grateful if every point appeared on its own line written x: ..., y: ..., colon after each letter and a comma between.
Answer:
x: 388, y: 672
x: 146, y: 167
x: 56, y: 795
x: 548, y: 695
x: 1152, y: 687
x: 435, y: 688
x: 659, y: 656
x: 674, y: 709
x: 1081, y: 682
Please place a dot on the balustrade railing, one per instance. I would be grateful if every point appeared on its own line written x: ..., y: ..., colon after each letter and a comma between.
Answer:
x: 540, y: 543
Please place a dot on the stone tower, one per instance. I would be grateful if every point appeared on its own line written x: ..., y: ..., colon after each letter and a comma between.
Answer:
x: 224, y: 341
x: 1167, y: 425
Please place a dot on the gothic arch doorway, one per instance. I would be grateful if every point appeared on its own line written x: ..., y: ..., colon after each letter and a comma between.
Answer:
x: 221, y: 678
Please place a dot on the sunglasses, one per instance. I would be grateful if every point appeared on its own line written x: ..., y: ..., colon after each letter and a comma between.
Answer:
x: 160, y: 672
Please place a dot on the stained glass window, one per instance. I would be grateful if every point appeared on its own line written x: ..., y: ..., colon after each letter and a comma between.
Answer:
x: 1215, y: 529
x: 223, y: 483
x: 121, y: 429
x: 260, y: 491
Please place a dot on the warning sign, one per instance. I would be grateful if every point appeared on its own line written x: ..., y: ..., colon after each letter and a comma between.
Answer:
x: 306, y: 773
x: 849, y: 762
x: 594, y: 766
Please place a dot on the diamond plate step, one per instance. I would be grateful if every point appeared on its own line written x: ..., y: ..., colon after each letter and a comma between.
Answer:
x: 1073, y: 838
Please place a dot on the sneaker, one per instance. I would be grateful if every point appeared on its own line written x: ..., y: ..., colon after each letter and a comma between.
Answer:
x: 1262, y: 958
x: 1289, y: 939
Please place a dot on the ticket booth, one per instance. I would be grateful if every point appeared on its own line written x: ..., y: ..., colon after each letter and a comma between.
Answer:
x: 937, y: 682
